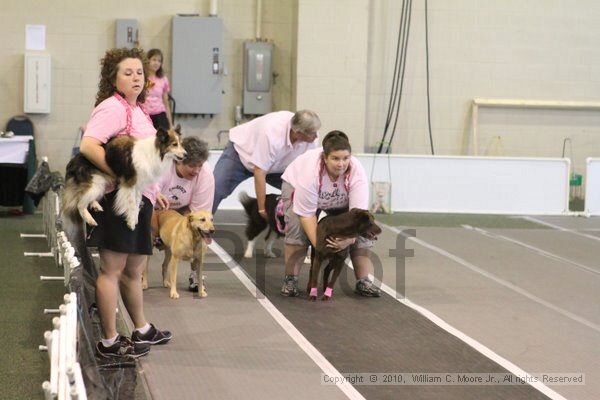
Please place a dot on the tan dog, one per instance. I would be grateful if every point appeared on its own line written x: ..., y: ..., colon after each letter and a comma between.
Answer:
x: 186, y: 238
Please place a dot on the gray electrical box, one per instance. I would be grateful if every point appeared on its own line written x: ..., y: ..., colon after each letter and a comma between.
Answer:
x: 197, y: 64
x: 258, y: 76
x: 126, y: 33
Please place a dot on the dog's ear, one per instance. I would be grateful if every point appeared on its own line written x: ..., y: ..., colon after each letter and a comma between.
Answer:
x: 178, y: 129
x: 364, y: 218
x: 162, y: 135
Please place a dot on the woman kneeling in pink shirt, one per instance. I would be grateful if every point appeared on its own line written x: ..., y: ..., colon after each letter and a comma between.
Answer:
x: 326, y: 179
x: 188, y: 186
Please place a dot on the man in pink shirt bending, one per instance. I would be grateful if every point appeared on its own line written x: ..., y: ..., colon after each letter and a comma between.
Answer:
x: 263, y: 148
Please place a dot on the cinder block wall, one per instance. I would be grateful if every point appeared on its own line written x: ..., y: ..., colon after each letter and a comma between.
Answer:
x: 493, y: 49
x: 332, y: 61
x: 78, y: 34
x: 337, y: 57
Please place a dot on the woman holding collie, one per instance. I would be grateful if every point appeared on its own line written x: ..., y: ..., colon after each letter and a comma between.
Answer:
x: 123, y: 253
x: 332, y: 180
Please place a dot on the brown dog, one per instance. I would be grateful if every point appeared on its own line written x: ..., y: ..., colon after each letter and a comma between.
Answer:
x: 353, y: 223
x: 186, y: 238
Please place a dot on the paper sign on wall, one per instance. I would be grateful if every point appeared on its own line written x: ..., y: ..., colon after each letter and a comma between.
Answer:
x: 35, y: 37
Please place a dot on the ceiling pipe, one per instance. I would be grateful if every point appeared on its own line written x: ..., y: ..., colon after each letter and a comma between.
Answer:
x: 258, y: 19
x: 213, y: 8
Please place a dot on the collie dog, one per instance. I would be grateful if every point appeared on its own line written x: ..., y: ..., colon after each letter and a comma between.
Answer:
x: 256, y: 224
x: 135, y: 163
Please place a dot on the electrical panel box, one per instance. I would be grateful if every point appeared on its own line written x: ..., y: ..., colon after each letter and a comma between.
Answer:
x: 126, y: 33
x: 258, y: 76
x: 197, y: 64
x: 37, y: 89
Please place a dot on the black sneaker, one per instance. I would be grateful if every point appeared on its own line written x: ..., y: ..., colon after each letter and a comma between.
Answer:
x: 193, y: 283
x: 290, y: 286
x: 158, y: 243
x: 153, y: 336
x: 122, y: 348
x: 366, y: 288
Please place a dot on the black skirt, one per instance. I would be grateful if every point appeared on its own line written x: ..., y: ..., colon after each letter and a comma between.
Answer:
x: 112, y: 232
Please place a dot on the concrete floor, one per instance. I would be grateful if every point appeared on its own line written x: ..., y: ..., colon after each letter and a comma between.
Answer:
x: 527, y: 298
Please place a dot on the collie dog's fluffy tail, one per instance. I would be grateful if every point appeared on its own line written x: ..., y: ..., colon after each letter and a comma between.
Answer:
x: 248, y: 202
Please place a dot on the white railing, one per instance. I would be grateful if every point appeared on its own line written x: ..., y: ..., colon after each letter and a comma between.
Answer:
x: 592, y: 187
x: 460, y: 184
x: 66, y: 380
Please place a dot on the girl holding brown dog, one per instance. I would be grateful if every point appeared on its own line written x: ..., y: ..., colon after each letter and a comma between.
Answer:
x: 327, y: 178
x: 123, y: 253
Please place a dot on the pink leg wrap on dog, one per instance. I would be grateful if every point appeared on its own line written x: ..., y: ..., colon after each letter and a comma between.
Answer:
x: 313, y: 291
x: 328, y: 292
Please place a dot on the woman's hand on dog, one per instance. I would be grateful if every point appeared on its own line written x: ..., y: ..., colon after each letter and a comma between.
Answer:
x: 339, y: 244
x: 263, y: 214
x: 162, y: 203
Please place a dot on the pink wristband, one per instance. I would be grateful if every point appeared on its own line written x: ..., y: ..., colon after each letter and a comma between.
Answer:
x: 328, y: 292
x: 313, y: 291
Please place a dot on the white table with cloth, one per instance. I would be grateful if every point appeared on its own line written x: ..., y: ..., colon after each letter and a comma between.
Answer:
x: 15, y: 170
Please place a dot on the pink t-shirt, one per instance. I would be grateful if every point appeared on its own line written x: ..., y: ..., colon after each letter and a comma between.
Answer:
x: 154, y: 98
x: 197, y: 193
x: 265, y: 142
x: 303, y: 175
x: 109, y: 119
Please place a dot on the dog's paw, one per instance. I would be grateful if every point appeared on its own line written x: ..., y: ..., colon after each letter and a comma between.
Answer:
x: 87, y: 217
x: 174, y: 294
x: 325, y: 298
x: 203, y: 293
x: 313, y: 294
x: 166, y: 283
x: 248, y: 254
x: 94, y: 205
x: 270, y: 254
x: 91, y: 222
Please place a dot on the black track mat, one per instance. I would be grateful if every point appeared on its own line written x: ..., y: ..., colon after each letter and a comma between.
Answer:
x: 362, y: 335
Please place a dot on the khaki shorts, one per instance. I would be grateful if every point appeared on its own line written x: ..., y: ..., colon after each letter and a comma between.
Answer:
x: 294, y: 234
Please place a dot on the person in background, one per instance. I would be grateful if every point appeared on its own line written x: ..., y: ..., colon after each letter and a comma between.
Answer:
x: 326, y: 179
x: 157, y: 100
x: 263, y: 148
x: 188, y: 186
x: 123, y: 253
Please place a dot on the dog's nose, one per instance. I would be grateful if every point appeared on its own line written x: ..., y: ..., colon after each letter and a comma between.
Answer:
x: 212, y: 231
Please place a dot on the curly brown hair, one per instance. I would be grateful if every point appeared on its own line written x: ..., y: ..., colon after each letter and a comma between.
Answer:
x: 110, y: 66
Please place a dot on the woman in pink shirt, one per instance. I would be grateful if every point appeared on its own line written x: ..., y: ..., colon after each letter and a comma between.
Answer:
x: 188, y: 186
x: 157, y: 99
x: 123, y: 252
x: 326, y: 179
